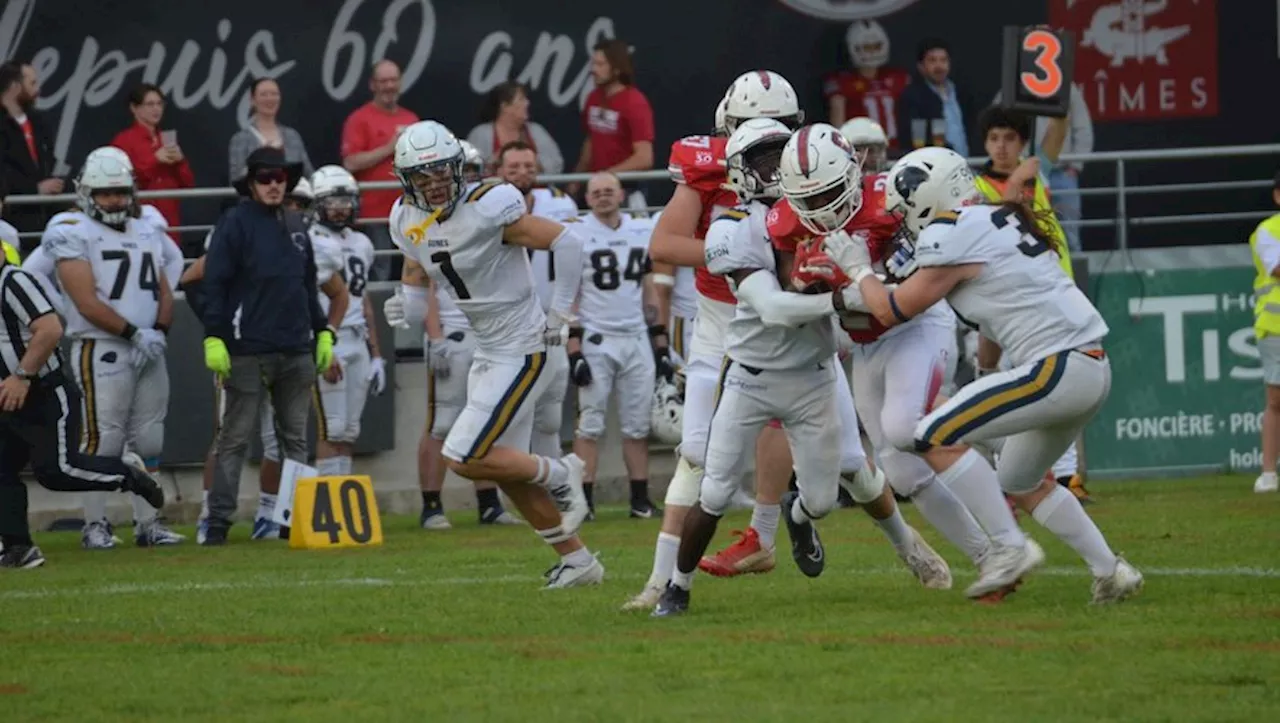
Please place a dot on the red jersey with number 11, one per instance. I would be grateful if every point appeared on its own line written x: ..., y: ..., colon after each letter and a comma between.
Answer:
x: 699, y: 163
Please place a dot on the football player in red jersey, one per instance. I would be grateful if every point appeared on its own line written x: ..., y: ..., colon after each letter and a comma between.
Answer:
x: 818, y: 165
x: 698, y: 168
x: 870, y: 89
x: 896, y: 372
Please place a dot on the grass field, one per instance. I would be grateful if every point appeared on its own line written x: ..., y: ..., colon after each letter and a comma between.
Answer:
x: 453, y: 626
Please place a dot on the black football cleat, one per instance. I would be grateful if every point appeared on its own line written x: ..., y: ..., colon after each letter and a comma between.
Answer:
x: 806, y: 545
x: 674, y: 601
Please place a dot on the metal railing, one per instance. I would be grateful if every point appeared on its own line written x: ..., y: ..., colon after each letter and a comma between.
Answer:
x: 1121, y: 191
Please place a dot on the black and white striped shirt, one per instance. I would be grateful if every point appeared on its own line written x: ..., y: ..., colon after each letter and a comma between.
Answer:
x: 21, y: 302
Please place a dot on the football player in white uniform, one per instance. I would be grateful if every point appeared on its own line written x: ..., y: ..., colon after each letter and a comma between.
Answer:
x: 780, y: 363
x: 470, y: 239
x: 118, y: 315
x: 992, y: 263
x: 896, y: 373
x: 697, y: 166
x: 358, y: 368
x: 610, y: 347
x: 451, y: 344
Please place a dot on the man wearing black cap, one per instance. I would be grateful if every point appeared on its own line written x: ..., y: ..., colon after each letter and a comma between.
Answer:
x: 265, y: 330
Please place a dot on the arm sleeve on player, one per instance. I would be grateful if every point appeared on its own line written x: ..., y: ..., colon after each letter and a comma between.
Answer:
x: 1268, y: 250
x: 952, y: 240
x: 781, y: 308
x: 63, y: 241
x: 567, y: 257
x: 503, y: 204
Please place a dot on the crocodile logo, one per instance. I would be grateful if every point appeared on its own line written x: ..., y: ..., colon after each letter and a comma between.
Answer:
x: 1120, y: 32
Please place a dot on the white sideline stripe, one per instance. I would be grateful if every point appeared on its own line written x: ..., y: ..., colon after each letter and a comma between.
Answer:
x: 261, y: 584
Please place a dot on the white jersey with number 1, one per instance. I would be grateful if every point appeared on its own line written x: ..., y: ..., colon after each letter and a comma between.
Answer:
x: 488, y: 280
x: 1022, y: 299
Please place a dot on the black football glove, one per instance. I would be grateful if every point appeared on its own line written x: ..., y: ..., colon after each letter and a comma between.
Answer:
x: 579, y: 370
x: 662, y: 363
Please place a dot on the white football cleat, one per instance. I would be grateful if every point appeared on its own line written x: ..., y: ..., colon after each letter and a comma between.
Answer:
x: 1125, y: 582
x: 1266, y: 483
x: 437, y: 522
x: 1004, y: 566
x: 927, y: 565
x: 569, y: 497
x: 97, y: 536
x: 563, y: 575
x: 646, y: 599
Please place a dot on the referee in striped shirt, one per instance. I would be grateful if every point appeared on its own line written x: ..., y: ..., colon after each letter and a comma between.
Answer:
x: 40, y: 419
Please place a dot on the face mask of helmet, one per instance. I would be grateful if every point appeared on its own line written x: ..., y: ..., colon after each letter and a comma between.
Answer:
x: 337, y: 210
x: 829, y: 209
x: 758, y: 165
x: 873, y: 157
x: 433, y: 186
x: 111, y: 206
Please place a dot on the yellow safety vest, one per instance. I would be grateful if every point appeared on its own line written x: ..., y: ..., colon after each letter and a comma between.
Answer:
x: 11, y: 254
x: 993, y: 189
x: 1266, y: 288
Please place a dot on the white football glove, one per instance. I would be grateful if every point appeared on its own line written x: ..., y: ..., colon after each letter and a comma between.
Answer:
x: 148, y: 345
x: 849, y: 253
x: 377, y: 375
x: 393, y: 309
x: 438, y: 353
x: 902, y: 263
x: 557, y: 331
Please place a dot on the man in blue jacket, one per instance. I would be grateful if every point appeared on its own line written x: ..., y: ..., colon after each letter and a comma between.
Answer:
x: 265, y: 330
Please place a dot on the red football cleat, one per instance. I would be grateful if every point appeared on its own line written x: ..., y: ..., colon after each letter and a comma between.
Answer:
x: 742, y: 557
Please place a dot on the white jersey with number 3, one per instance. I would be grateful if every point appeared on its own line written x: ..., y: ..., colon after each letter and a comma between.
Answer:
x: 615, y: 262
x: 126, y: 267
x: 1021, y: 300
x: 739, y: 240
x: 488, y: 280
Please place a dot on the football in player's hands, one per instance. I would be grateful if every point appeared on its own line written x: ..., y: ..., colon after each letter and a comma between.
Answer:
x: 814, y: 272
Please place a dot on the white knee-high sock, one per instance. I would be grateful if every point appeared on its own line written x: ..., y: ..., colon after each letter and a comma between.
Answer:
x: 329, y: 466
x: 143, y: 512
x: 975, y: 483
x: 95, y: 506
x: 897, y: 530
x: 664, y: 559
x: 1060, y: 513
x: 764, y: 520
x: 948, y: 515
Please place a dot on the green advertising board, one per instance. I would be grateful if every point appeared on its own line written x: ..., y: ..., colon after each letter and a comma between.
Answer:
x: 1186, y: 394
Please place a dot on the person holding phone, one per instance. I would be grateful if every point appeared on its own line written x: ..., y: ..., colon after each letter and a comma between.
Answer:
x: 158, y: 161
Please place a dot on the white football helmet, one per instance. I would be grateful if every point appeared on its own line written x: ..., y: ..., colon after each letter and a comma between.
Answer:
x: 336, y: 194
x: 105, y: 170
x: 869, y: 142
x: 868, y: 44
x: 927, y: 182
x: 820, y: 178
x: 428, y: 162
x: 721, y: 129
x: 472, y: 162
x: 752, y: 157
x: 303, y: 191
x: 762, y: 94
x: 667, y: 417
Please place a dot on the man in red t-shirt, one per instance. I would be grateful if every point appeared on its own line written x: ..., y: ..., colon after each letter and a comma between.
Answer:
x: 368, y: 145
x: 870, y: 89
x: 617, y: 116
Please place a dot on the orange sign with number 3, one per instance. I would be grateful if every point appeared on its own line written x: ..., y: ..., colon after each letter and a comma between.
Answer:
x: 1047, y: 82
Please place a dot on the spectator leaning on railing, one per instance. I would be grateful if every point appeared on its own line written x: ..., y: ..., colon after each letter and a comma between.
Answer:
x: 506, y: 120
x: 26, y: 148
x: 158, y: 162
x: 263, y: 130
x: 264, y: 328
x: 617, y: 118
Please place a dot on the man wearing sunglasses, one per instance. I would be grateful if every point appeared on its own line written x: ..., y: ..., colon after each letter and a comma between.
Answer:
x: 265, y: 330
